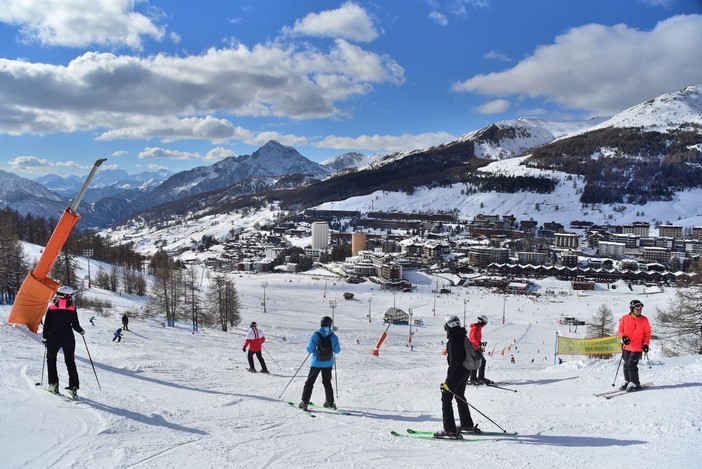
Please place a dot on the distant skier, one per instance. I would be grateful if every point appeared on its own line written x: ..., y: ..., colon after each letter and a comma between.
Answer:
x: 456, y: 380
x: 323, y: 345
x: 635, y: 334
x: 476, y: 338
x: 92, y: 319
x: 511, y: 359
x: 118, y: 335
x: 254, y: 341
x: 59, y: 323
x: 125, y: 322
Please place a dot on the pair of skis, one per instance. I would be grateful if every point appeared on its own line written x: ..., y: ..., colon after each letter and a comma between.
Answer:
x: 619, y: 392
x: 318, y: 408
x: 68, y: 396
x: 429, y: 435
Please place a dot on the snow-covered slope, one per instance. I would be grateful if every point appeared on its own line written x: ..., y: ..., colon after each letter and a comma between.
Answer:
x: 666, y: 112
x: 172, y: 398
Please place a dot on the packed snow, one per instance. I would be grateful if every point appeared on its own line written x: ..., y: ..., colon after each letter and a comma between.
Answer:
x: 173, y: 397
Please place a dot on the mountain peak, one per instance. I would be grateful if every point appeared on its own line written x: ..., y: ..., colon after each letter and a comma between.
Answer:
x: 668, y: 111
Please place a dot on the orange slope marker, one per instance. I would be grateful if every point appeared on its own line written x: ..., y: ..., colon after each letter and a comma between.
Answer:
x: 38, y: 288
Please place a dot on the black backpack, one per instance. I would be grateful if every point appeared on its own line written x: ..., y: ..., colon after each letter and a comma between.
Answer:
x: 324, y: 351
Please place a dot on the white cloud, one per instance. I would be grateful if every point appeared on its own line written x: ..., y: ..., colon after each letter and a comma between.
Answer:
x: 30, y: 163
x: 218, y: 153
x: 78, y: 23
x: 603, y: 69
x: 493, y: 107
x: 389, y: 143
x: 349, y: 21
x: 156, y: 152
x: 130, y: 96
x: 492, y: 55
x: 438, y: 18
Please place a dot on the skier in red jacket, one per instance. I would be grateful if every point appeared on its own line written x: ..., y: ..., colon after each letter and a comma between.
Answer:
x: 476, y: 338
x: 635, y: 334
x: 254, y: 341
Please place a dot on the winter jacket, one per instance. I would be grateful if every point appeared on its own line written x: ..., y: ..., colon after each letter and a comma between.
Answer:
x: 456, y: 349
x: 637, y: 329
x: 476, y: 335
x: 60, y: 321
x: 118, y: 332
x: 325, y: 331
x: 255, y: 339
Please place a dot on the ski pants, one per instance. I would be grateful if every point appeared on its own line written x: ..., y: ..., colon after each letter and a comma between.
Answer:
x: 631, y: 366
x: 479, y: 373
x: 447, y: 406
x: 259, y: 355
x: 69, y: 348
x: 326, y: 381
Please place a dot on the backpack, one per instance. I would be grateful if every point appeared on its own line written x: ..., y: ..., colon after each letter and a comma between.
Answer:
x: 324, y: 350
x: 473, y: 359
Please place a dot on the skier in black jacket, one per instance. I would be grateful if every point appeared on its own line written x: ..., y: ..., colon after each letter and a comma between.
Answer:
x: 59, y: 323
x: 456, y: 380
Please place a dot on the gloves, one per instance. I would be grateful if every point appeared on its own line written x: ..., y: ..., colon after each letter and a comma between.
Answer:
x: 82, y: 332
x: 645, y: 348
x: 484, y: 344
x: 243, y: 349
x: 626, y: 340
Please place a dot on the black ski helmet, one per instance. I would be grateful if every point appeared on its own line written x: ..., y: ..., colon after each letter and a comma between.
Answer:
x: 634, y: 303
x: 327, y: 321
x: 253, y: 324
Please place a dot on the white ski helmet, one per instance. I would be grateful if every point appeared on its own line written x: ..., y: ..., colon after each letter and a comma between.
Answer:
x: 64, y: 292
x: 482, y: 318
x: 451, y: 321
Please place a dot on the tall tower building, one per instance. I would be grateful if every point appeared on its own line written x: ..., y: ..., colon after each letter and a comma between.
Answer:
x: 358, y: 243
x: 320, y: 235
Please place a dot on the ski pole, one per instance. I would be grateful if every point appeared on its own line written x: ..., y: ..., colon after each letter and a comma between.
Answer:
x: 269, y: 354
x: 291, y: 379
x: 620, y: 364
x: 445, y: 387
x: 42, y: 369
x: 91, y: 361
x: 500, y: 387
x: 649, y: 361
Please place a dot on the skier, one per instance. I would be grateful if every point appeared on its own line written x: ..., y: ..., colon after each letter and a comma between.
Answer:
x: 456, y: 380
x: 511, y: 359
x: 92, y: 318
x: 125, y: 322
x: 59, y: 323
x: 476, y: 336
x: 635, y: 334
x: 118, y: 335
x: 254, y: 341
x: 323, y: 345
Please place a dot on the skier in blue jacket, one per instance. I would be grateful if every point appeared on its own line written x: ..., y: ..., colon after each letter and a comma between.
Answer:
x: 323, y: 345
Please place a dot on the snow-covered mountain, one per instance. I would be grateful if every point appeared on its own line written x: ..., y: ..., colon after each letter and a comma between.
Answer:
x: 26, y: 196
x: 106, y: 183
x: 351, y: 160
x: 670, y: 111
x: 273, y: 160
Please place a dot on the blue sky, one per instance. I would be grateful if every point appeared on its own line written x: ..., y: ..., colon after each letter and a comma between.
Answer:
x: 176, y: 84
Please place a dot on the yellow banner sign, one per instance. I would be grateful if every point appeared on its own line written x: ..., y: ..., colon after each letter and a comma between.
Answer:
x: 600, y: 346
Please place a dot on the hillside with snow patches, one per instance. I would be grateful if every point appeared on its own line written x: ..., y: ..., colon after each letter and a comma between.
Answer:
x: 173, y: 397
